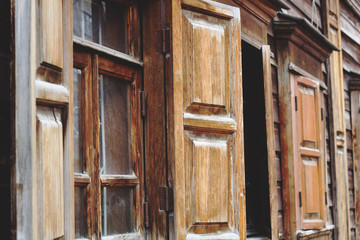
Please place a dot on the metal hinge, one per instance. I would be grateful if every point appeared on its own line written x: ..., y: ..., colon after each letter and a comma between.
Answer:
x: 166, y: 199
x: 162, y: 38
x: 326, y: 202
x: 143, y: 103
x: 300, y: 200
x: 322, y: 114
x: 146, y: 215
x: 296, y: 103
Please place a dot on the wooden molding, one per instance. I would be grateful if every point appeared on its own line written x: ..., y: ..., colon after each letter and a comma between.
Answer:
x: 300, y: 32
x: 354, y: 84
x: 354, y: 6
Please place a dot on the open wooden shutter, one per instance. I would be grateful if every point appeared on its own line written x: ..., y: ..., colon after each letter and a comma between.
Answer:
x: 43, y: 115
x: 206, y: 125
x: 311, y: 154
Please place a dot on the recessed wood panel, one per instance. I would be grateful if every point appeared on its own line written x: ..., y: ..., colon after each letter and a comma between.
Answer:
x: 311, y: 153
x: 310, y: 175
x: 308, y: 109
x: 205, y: 60
x: 211, y: 182
x: 50, y: 163
x: 208, y: 180
x: 52, y: 32
x: 206, y: 129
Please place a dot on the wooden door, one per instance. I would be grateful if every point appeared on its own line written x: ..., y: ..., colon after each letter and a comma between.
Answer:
x: 311, y: 154
x: 206, y: 127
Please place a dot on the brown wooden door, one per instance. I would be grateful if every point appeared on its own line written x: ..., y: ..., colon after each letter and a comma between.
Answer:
x: 310, y: 152
x: 206, y: 125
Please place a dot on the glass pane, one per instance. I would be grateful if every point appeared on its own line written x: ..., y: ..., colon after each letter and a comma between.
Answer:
x: 103, y: 22
x: 80, y: 216
x: 77, y: 120
x: 117, y: 210
x: 114, y: 115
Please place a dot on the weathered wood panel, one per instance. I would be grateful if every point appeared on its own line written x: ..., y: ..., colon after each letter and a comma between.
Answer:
x: 50, y: 172
x: 311, y: 153
x: 270, y: 139
x: 198, y: 154
x: 155, y: 121
x: 51, y: 47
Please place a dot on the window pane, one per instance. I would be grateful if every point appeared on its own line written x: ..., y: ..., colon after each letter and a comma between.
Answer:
x: 117, y: 210
x: 80, y: 219
x: 102, y: 22
x: 77, y: 120
x: 115, y: 137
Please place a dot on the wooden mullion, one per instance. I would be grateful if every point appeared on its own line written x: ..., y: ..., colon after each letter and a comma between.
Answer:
x: 116, y: 69
x: 119, y: 180
x: 81, y: 180
x: 120, y: 183
x: 95, y: 163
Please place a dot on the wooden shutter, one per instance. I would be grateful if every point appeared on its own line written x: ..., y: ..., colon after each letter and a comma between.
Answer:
x: 207, y: 125
x: 43, y: 115
x: 311, y: 154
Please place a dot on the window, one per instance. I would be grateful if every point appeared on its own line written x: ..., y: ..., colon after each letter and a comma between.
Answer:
x: 107, y: 131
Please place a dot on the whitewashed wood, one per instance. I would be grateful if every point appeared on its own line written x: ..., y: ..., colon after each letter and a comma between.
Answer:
x: 51, y: 93
x: 25, y: 151
x: 50, y: 160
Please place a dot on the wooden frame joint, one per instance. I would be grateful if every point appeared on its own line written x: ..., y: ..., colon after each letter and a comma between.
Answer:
x: 166, y: 199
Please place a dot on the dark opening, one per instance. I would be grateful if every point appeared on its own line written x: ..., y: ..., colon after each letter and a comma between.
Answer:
x: 5, y: 119
x: 256, y: 168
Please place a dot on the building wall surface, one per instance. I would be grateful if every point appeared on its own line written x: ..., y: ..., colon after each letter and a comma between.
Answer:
x: 338, y: 21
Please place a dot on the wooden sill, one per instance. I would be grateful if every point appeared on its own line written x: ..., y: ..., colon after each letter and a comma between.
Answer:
x: 309, y: 234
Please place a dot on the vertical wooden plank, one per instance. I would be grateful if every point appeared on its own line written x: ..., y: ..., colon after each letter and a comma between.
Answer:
x: 67, y: 80
x: 175, y: 122
x: 24, y: 108
x: 52, y: 32
x: 95, y: 187
x: 50, y: 172
x: 155, y: 120
x: 288, y: 147
x: 270, y: 139
x: 337, y: 122
x: 355, y: 121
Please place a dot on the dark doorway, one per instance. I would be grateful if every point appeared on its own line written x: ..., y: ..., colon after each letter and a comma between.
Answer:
x: 256, y: 168
x: 5, y: 122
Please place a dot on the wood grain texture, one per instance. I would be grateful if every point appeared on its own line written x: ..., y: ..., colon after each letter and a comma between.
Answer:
x: 52, y: 32
x: 51, y: 172
x: 337, y: 122
x: 270, y: 139
x: 355, y: 120
x: 207, y: 82
x: 311, y: 153
x: 155, y: 121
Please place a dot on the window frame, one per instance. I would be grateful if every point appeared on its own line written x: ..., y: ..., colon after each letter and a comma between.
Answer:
x: 94, y: 59
x: 93, y: 64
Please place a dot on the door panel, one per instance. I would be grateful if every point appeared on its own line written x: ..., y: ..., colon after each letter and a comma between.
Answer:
x: 50, y: 162
x: 208, y: 139
x: 311, y: 153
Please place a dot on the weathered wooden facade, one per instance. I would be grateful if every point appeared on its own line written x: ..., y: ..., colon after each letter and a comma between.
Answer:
x: 180, y: 119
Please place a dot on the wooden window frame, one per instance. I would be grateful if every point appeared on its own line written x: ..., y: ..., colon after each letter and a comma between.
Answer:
x: 95, y: 59
x: 92, y: 65
x: 133, y: 33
